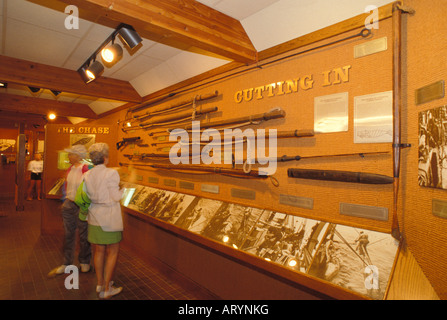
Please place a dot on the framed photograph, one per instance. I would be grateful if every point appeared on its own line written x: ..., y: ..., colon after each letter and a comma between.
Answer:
x: 85, y: 139
x: 7, y: 145
x: 433, y: 148
x: 361, y: 260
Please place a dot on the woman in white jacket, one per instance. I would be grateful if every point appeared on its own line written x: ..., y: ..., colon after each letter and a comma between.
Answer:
x: 105, y: 222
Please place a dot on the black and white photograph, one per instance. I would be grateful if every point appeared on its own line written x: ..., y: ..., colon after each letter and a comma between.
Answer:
x: 139, y: 196
x: 197, y: 215
x: 161, y: 204
x: 285, y: 239
x: 176, y: 204
x: 232, y: 224
x: 433, y: 148
x: 355, y: 259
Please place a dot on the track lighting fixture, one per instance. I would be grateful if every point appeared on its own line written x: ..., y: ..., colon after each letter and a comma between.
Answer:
x: 92, y: 69
x: 112, y: 54
x: 95, y: 70
x: 130, y: 37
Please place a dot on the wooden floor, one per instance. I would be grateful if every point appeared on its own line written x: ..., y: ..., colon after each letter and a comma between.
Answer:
x: 26, y: 257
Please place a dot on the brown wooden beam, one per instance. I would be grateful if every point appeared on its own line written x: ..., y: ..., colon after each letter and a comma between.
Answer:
x: 54, y: 78
x: 31, y: 105
x: 185, y: 24
x: 34, y: 122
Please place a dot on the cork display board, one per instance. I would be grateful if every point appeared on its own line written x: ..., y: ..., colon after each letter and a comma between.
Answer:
x: 423, y: 201
x: 351, y: 77
x: 341, y: 94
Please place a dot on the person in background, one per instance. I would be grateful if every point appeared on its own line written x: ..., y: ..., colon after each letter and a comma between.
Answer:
x: 105, y: 222
x: 36, y: 168
x: 70, y: 213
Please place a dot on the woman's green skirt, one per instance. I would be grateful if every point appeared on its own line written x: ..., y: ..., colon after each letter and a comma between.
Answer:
x: 98, y: 236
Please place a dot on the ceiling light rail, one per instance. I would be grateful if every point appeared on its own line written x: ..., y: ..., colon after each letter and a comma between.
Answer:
x: 92, y: 69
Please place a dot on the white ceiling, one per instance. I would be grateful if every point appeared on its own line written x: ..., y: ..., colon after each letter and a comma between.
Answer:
x: 32, y: 32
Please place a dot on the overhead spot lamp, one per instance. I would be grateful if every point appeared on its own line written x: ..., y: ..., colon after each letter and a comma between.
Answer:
x: 92, y: 69
x: 112, y: 54
x: 129, y: 36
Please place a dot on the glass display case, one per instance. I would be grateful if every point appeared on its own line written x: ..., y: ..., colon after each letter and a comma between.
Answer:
x: 350, y: 258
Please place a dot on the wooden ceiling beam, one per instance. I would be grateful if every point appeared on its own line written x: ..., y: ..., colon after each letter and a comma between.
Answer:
x: 54, y: 78
x: 185, y: 24
x: 31, y: 105
x: 10, y: 119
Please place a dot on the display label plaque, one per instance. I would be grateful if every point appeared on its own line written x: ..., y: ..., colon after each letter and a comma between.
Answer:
x: 210, y: 188
x: 431, y: 92
x: 371, y: 47
x: 361, y: 211
x: 439, y: 208
x: 331, y: 113
x: 243, y: 194
x: 186, y: 185
x: 169, y: 182
x: 152, y: 180
x: 373, y: 118
x: 294, y: 201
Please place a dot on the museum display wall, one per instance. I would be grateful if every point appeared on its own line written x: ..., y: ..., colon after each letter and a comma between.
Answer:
x: 330, y: 80
x: 332, y: 104
x: 423, y: 222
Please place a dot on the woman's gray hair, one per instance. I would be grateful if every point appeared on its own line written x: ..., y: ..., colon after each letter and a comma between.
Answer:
x: 98, y: 152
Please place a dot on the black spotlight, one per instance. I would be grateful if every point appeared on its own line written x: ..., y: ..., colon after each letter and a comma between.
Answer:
x: 89, y: 71
x: 112, y: 54
x: 94, y: 71
x: 130, y: 37
x: 83, y: 72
